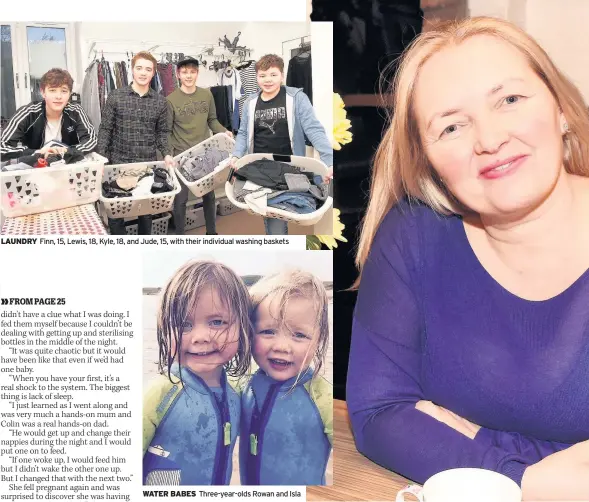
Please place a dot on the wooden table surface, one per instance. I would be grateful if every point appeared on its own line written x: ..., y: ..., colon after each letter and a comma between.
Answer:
x: 354, y: 476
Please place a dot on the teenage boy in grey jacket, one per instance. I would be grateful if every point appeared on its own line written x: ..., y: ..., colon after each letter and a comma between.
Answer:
x: 276, y: 121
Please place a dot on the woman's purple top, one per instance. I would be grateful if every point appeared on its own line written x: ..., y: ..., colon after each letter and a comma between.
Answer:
x: 431, y: 323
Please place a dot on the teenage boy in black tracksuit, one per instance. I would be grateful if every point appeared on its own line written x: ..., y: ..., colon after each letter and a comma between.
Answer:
x: 35, y: 125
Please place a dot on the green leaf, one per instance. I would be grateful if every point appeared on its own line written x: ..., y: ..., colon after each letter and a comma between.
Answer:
x: 313, y: 243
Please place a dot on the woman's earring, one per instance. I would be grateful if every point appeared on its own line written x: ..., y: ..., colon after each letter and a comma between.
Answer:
x: 566, y: 127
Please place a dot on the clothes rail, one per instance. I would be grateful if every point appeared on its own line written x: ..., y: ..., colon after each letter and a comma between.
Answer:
x: 302, y: 39
x: 144, y: 45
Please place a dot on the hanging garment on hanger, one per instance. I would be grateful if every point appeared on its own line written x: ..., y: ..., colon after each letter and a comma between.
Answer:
x: 299, y: 73
x: 107, y: 80
x: 113, y: 81
x: 231, y: 78
x: 116, y: 75
x: 245, y: 64
x: 221, y: 95
x: 129, y: 73
x: 249, y: 81
x: 120, y: 68
x: 166, y: 71
x: 90, y: 95
x: 159, y: 70
x: 101, y: 92
x: 156, y: 82
x: 124, y: 74
x: 172, y: 79
x: 160, y: 85
x: 175, y: 79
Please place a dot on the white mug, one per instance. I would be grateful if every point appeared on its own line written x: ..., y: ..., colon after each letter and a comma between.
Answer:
x: 465, y: 485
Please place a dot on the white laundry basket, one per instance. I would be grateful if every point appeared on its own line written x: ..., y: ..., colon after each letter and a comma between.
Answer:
x: 215, y: 179
x: 159, y: 225
x: 195, y: 216
x: 38, y: 190
x: 305, y: 164
x: 134, y: 206
x: 226, y: 207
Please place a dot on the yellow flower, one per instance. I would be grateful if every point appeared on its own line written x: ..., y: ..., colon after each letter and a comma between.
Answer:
x: 338, y: 228
x: 339, y: 110
x: 341, y: 134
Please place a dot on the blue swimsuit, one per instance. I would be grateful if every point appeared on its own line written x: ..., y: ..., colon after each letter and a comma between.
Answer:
x: 285, y: 432
x: 189, y: 431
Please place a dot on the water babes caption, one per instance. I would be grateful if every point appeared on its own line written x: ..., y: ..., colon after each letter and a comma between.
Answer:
x: 219, y: 495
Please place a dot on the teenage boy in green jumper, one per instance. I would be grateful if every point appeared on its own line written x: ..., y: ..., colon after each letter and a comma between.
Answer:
x: 191, y: 113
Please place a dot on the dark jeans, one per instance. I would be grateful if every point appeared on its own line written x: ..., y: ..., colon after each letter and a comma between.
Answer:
x: 209, y: 208
x: 116, y: 226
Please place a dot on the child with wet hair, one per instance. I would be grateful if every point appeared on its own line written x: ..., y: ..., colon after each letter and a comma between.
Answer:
x: 191, y: 410
x: 287, y: 407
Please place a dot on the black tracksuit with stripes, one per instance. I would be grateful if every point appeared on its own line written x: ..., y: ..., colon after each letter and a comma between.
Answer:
x: 25, y: 132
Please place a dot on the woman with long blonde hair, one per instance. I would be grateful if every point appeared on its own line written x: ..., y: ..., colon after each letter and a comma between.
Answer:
x: 470, y: 343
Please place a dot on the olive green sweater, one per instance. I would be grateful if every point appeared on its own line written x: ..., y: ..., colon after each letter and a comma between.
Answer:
x: 190, y: 117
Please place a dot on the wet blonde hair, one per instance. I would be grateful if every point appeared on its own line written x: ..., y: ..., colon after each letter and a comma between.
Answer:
x: 401, y: 167
x: 288, y: 284
x: 181, y: 295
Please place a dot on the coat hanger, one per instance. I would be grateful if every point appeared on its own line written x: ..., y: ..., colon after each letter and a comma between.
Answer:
x: 304, y: 46
x: 245, y: 64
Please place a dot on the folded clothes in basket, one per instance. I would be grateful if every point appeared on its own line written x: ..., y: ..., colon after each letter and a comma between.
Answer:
x: 27, y: 161
x: 195, y: 167
x: 19, y: 166
x: 162, y: 181
x: 269, y: 173
x: 138, y: 182
x: 294, y: 200
x: 71, y: 156
x: 24, y: 162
